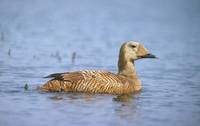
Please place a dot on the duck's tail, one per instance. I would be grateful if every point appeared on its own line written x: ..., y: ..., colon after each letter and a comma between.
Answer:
x: 51, y: 85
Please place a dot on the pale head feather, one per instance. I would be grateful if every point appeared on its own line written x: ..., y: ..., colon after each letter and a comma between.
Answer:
x: 132, y: 50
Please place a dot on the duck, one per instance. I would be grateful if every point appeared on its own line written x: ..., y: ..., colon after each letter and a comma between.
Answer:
x: 126, y: 81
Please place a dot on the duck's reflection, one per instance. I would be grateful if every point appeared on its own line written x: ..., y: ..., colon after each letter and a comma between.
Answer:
x: 126, y: 111
x: 112, y: 110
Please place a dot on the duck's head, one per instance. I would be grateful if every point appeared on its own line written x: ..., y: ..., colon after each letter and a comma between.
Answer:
x: 131, y: 51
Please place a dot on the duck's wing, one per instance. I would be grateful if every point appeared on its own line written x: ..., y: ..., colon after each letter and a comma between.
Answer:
x: 56, y: 75
x: 67, y: 76
x: 90, y: 81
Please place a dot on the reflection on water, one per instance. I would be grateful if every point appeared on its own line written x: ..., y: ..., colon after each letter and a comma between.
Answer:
x: 42, y: 37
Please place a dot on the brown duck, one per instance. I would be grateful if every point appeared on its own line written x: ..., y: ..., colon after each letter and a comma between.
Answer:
x: 89, y: 81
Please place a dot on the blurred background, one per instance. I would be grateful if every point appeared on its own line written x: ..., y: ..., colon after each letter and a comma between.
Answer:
x: 40, y: 37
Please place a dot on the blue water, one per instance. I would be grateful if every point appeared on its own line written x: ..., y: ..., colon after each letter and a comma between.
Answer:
x: 39, y: 37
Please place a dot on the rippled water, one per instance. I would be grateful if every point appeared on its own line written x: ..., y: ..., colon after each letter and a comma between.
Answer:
x: 39, y: 37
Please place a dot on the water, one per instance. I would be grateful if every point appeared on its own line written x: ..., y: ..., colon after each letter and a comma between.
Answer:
x: 39, y: 37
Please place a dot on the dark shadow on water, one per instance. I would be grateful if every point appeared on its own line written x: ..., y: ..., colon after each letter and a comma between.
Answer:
x: 126, y: 97
x: 57, y: 97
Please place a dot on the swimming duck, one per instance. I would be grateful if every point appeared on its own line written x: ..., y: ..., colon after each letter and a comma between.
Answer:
x: 94, y: 81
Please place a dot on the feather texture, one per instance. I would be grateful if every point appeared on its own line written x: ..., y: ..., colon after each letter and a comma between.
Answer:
x: 89, y: 81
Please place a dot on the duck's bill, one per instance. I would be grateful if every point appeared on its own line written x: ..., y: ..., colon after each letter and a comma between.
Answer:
x: 149, y: 56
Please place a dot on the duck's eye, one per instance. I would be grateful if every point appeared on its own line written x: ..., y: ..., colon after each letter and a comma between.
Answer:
x: 133, y: 46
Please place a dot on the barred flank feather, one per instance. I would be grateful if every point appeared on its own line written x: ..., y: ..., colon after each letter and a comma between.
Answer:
x: 89, y: 81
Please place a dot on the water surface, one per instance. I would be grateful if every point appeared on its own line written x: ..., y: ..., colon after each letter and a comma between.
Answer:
x: 39, y: 37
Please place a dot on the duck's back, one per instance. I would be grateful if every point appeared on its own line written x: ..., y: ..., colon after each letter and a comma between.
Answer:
x: 89, y: 81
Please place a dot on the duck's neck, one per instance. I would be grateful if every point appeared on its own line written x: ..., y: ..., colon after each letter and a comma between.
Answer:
x: 127, y: 69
